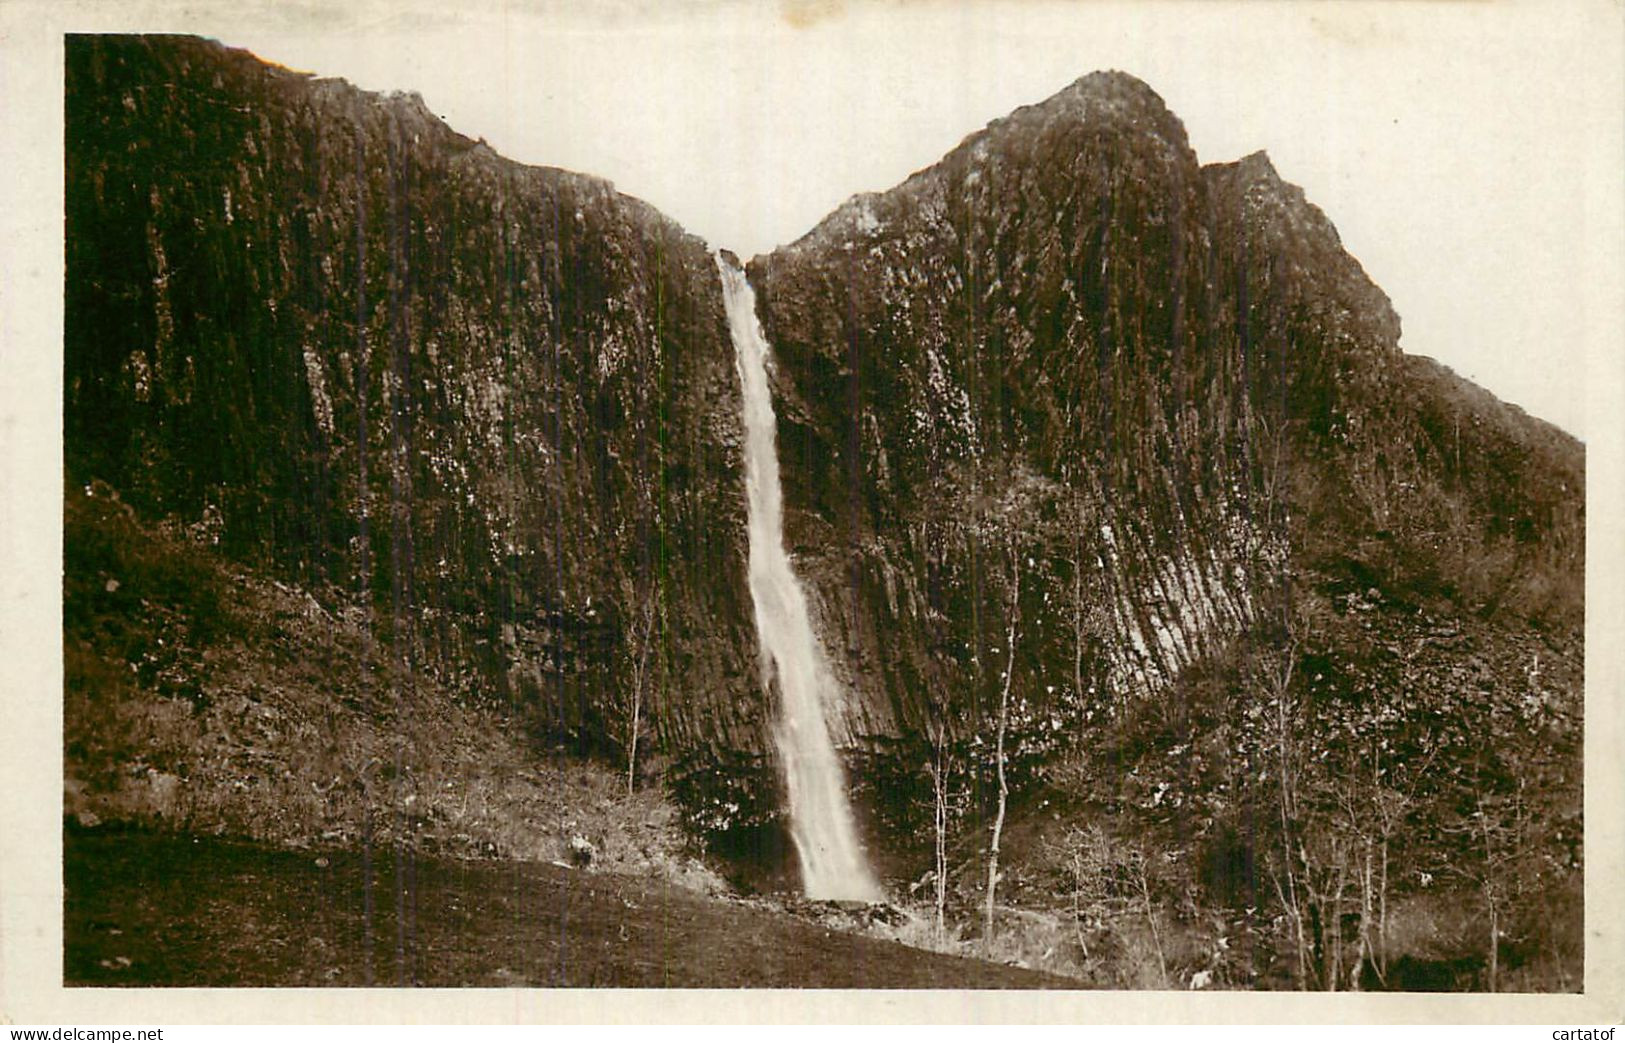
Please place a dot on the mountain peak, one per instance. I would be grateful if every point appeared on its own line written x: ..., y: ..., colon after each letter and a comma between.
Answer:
x: 1115, y: 84
x: 1257, y: 167
x: 1045, y: 139
x: 1252, y: 169
x: 1111, y: 94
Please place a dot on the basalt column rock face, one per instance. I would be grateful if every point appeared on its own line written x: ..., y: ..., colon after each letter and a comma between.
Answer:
x: 1009, y: 393
x: 1067, y: 384
x: 1387, y: 462
x: 1064, y: 420
x: 495, y: 404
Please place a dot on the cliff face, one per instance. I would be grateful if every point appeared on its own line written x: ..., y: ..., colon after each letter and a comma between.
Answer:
x: 1003, y: 373
x: 320, y: 330
x: 1065, y: 356
x: 1150, y: 420
x: 1065, y: 415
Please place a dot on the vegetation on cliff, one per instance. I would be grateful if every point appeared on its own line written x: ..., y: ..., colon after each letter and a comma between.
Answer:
x: 495, y: 403
x: 1295, y: 617
x: 396, y: 469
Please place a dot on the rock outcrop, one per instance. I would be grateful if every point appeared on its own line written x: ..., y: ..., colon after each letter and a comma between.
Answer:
x: 1070, y: 385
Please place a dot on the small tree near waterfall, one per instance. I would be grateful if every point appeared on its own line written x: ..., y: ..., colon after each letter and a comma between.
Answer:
x: 638, y: 645
x: 1002, y: 729
x: 940, y: 768
x: 1014, y: 523
x: 1090, y: 614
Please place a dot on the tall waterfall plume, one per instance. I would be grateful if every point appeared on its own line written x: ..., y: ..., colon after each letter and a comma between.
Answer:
x: 833, y: 865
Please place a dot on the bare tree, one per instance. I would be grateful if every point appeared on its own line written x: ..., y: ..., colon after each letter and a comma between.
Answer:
x: 1278, y: 679
x: 939, y: 768
x: 1490, y: 886
x: 1376, y: 816
x: 1498, y: 825
x: 1083, y: 615
x: 1112, y: 883
x: 1139, y: 865
x: 640, y: 642
x: 998, y: 749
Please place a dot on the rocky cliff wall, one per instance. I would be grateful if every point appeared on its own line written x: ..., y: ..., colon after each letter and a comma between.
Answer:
x: 318, y: 328
x: 1033, y: 364
x: 1066, y: 386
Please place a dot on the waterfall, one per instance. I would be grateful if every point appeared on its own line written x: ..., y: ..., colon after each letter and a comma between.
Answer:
x: 832, y: 862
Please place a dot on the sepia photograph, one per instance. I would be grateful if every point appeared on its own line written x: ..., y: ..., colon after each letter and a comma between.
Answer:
x: 829, y: 496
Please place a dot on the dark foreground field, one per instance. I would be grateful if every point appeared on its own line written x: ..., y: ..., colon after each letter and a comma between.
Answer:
x: 148, y: 909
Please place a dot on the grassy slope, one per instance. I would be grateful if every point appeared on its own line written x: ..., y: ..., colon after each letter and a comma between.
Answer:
x: 204, y: 698
x: 201, y: 698
x: 155, y: 910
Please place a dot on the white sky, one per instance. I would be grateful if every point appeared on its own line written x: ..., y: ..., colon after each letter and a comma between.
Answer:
x: 1455, y: 146
x: 1448, y: 143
